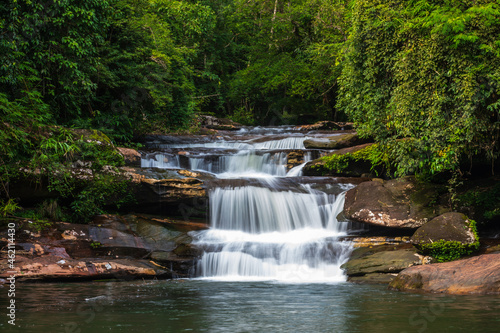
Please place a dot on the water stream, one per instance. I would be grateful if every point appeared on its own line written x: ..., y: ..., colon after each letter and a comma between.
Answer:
x: 274, y: 226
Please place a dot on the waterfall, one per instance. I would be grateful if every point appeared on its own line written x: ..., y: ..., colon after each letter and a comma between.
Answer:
x: 258, y: 233
x: 265, y: 223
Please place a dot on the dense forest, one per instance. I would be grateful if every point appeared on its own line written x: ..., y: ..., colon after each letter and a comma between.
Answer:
x: 420, y: 77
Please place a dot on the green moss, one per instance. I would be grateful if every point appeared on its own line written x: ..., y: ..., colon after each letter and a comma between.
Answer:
x: 444, y: 251
x: 342, y: 163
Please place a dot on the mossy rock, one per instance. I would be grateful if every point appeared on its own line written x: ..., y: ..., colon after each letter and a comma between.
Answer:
x: 91, y: 135
x: 447, y: 237
x: 348, y: 162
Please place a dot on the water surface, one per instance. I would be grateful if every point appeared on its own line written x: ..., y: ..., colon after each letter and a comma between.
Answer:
x: 208, y: 306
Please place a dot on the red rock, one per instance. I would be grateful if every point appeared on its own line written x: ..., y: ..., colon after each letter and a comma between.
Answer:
x: 476, y: 275
x: 50, y: 267
x: 131, y: 156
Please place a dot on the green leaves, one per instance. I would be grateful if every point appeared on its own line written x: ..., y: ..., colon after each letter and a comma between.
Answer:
x: 422, y: 78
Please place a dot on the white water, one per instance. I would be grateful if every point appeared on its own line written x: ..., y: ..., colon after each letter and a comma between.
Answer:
x: 243, y: 163
x: 258, y: 233
x: 274, y: 229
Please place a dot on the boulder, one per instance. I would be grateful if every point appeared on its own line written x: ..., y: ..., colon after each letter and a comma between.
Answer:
x: 391, y: 261
x: 447, y: 227
x: 476, y: 275
x: 335, y: 141
x: 131, y: 156
x: 397, y: 203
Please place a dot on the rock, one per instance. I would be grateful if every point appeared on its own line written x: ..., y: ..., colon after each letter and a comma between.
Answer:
x: 170, y: 192
x: 379, y: 240
x: 294, y: 158
x: 381, y: 262
x: 398, y: 203
x: 131, y: 156
x: 346, y: 162
x: 52, y: 268
x: 120, y: 243
x: 335, y: 142
x: 373, y: 278
x: 325, y: 125
x: 448, y: 227
x: 219, y: 123
x: 476, y: 275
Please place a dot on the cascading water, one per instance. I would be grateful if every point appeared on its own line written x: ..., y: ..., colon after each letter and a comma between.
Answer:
x: 264, y: 223
x: 260, y: 233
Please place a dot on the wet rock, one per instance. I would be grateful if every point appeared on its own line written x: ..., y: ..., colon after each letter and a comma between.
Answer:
x: 294, y: 158
x: 391, y: 261
x: 335, y: 142
x: 476, y: 275
x: 373, y: 278
x: 448, y: 227
x: 398, y: 203
x: 379, y: 240
x: 57, y: 253
x: 131, y: 156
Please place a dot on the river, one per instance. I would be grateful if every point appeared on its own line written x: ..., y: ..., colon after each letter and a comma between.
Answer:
x: 210, y: 306
x: 271, y: 260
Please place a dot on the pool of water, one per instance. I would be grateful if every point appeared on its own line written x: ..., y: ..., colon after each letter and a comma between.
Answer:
x: 209, y: 306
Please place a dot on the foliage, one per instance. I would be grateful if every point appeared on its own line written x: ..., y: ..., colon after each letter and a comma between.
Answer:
x: 291, y: 58
x: 51, y: 47
x: 8, y: 207
x: 484, y: 201
x: 95, y: 245
x: 103, y: 191
x: 444, y: 251
x: 428, y: 72
x: 371, y: 155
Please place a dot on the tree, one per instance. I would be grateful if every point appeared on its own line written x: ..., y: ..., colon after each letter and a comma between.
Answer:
x: 422, y: 78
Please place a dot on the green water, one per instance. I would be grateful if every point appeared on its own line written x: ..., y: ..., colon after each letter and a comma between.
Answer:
x: 204, y: 306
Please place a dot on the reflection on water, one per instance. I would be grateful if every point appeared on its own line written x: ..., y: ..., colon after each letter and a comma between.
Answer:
x: 201, y: 306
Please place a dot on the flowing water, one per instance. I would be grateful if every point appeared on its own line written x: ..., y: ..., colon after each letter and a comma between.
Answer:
x: 271, y: 264
x: 266, y: 224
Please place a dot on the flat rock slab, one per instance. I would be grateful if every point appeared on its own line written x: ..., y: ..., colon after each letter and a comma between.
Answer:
x: 382, y: 262
x: 476, y: 275
x: 47, y: 268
